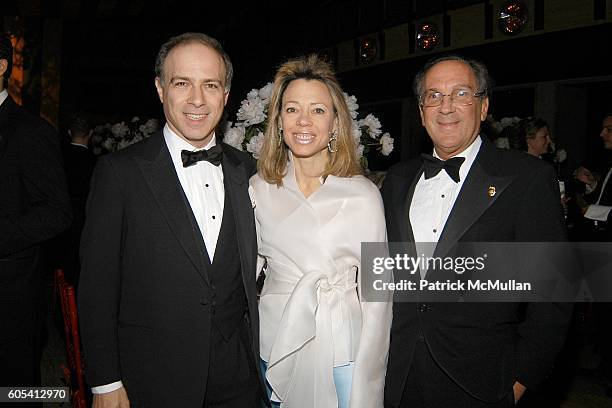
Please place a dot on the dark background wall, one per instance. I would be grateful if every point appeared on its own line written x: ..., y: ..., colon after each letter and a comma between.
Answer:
x: 105, y: 51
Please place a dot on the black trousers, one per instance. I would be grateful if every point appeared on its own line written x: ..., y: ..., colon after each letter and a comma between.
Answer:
x: 233, y: 380
x: 428, y: 386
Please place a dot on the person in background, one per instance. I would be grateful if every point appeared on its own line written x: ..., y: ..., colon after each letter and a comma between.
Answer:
x: 532, y: 136
x: 34, y: 207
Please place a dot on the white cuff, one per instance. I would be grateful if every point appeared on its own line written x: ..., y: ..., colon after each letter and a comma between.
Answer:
x: 103, y: 389
x: 597, y: 212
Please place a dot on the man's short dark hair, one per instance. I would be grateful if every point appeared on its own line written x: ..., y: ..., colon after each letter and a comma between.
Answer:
x: 79, y: 125
x: 483, y: 80
x: 6, y: 52
x: 188, y: 38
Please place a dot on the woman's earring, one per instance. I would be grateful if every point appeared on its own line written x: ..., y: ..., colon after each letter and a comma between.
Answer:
x: 332, y: 145
x: 280, y: 136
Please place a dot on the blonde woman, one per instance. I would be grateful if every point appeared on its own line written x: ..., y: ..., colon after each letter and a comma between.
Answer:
x: 321, y: 345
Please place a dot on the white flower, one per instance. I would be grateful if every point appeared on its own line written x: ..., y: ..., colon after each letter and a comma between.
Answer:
x: 351, y: 102
x: 251, y: 111
x: 502, y: 142
x: 560, y: 156
x: 387, y: 144
x: 119, y: 130
x: 149, y: 127
x: 356, y: 131
x: 255, y: 144
x: 123, y: 143
x: 234, y: 136
x: 109, y: 144
x: 135, y: 119
x: 372, y: 124
x: 360, y: 151
x: 265, y: 92
x: 505, y: 122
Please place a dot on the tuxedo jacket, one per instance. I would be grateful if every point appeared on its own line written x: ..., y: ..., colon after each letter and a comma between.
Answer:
x: 34, y: 206
x: 146, y: 301
x: 483, y: 347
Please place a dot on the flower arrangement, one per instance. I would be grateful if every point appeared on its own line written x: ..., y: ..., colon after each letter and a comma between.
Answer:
x: 109, y: 138
x: 248, y: 132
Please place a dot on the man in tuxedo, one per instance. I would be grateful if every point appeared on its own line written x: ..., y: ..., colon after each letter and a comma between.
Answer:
x: 167, y: 299
x: 598, y: 211
x: 79, y: 163
x: 468, y: 354
x: 597, y: 226
x: 34, y: 207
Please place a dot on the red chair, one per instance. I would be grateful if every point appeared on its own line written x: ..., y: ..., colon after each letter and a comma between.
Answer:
x: 75, y: 369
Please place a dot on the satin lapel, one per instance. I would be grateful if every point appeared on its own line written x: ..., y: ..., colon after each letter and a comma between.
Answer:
x: 474, y: 199
x: 163, y: 181
x: 236, y: 182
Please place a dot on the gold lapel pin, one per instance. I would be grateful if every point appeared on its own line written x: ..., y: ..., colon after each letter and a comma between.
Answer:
x: 491, y: 192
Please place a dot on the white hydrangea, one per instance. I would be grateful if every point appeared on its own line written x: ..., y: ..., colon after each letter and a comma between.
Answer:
x: 252, y: 110
x: 360, y: 151
x: 356, y: 131
x: 150, y: 126
x: 351, y: 102
x: 109, y: 144
x: 502, y: 143
x: 234, y: 136
x: 373, y: 125
x: 265, y: 92
x: 387, y: 144
x: 505, y: 122
x: 119, y: 130
x: 255, y: 144
x: 560, y: 156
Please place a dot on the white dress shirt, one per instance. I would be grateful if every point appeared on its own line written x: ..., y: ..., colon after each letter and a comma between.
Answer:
x: 433, y: 201
x: 203, y: 186
x: 596, y: 211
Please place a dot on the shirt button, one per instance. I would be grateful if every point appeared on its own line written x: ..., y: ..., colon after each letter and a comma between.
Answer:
x: 423, y: 307
x: 213, y: 217
x: 435, y: 230
x: 443, y: 196
x: 205, y: 185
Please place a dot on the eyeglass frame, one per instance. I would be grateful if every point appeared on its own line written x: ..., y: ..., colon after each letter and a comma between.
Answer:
x: 477, y: 94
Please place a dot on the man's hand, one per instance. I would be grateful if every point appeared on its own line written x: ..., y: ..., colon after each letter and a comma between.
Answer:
x: 519, y: 390
x: 584, y: 175
x: 113, y: 399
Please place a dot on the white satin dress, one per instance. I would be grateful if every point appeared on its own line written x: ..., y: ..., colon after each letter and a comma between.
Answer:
x: 311, y: 318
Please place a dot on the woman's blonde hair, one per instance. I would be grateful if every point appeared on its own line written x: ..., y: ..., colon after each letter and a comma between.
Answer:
x: 272, y: 163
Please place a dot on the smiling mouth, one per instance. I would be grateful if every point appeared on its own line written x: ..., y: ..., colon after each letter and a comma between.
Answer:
x: 303, y: 138
x: 194, y: 116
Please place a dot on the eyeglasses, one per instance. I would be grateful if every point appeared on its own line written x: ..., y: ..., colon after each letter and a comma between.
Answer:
x: 460, y: 96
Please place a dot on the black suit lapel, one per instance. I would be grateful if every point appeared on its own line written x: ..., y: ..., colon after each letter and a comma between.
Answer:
x: 480, y: 190
x: 160, y: 175
x: 236, y: 186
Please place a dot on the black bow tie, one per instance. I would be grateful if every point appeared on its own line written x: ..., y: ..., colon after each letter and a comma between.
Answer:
x: 433, y: 165
x: 212, y: 155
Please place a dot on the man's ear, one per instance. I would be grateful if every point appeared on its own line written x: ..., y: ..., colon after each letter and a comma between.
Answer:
x: 421, y: 113
x: 160, y: 89
x: 484, y: 108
